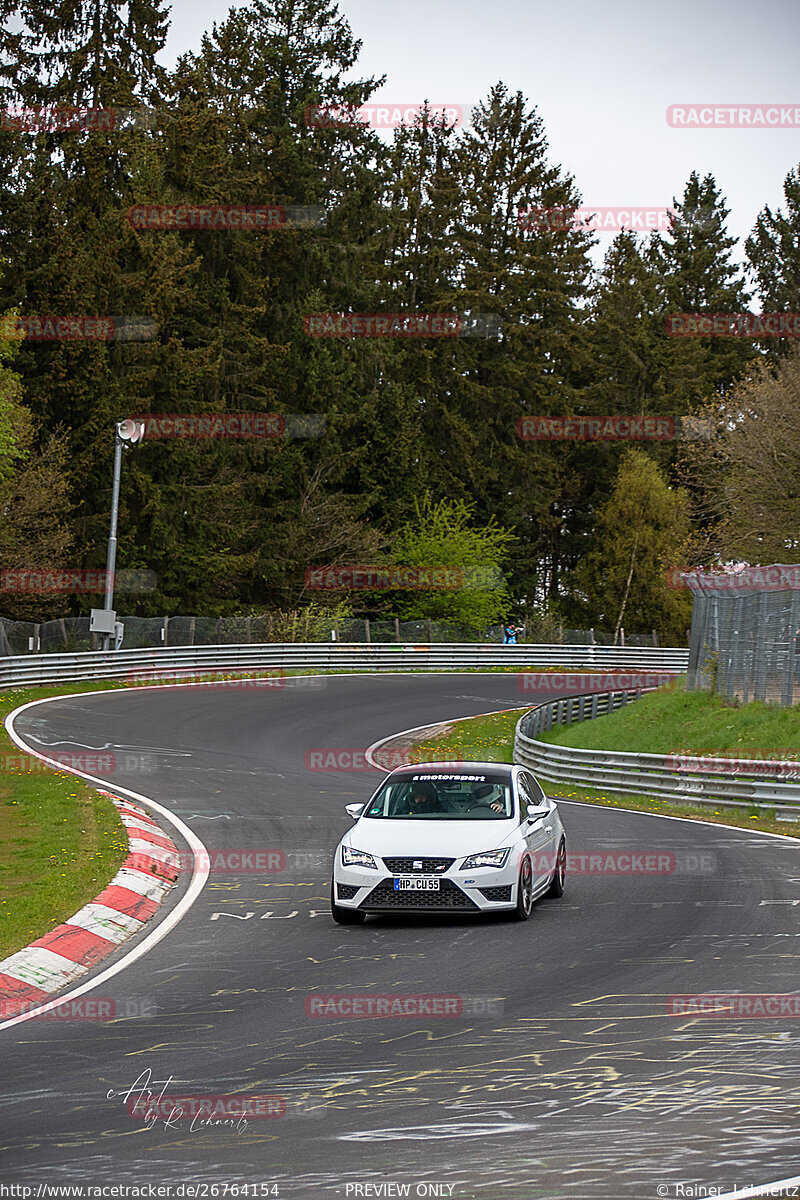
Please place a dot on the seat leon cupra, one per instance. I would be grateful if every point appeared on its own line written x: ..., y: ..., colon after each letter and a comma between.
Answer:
x: 482, y: 837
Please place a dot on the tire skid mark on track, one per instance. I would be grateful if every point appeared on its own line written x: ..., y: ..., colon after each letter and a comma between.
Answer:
x: 569, y: 1155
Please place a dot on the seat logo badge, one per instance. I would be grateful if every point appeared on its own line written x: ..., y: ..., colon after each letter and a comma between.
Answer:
x: 417, y: 864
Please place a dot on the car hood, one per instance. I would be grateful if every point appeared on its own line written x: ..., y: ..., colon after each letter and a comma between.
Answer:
x: 450, y: 839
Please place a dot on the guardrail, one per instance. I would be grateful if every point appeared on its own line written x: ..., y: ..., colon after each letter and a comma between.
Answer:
x: 333, y: 656
x: 673, y: 777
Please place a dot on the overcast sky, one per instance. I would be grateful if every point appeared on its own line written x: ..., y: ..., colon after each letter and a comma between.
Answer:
x: 602, y: 75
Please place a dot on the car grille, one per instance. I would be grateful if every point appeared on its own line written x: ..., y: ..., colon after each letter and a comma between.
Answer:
x: 430, y: 866
x: 448, y: 897
x: 496, y: 893
x: 345, y: 891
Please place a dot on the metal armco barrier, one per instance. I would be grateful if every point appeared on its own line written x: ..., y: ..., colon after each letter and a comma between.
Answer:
x: 334, y: 656
x: 741, y: 784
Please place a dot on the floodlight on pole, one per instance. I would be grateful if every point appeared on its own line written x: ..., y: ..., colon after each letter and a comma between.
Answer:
x: 127, y: 433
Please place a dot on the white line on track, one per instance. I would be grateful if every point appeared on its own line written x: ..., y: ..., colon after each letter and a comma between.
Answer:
x: 200, y: 874
x: 777, y: 1189
x: 198, y: 881
x: 751, y: 1193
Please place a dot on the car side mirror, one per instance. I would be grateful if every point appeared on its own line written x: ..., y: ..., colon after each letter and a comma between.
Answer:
x: 535, y: 811
x: 354, y: 810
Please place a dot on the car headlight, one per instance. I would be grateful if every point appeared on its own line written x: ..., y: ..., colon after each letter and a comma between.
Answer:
x: 486, y: 858
x: 357, y: 858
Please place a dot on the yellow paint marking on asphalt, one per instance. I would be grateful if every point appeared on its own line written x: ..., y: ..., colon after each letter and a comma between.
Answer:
x: 283, y: 884
x: 428, y: 1035
x: 630, y: 996
x: 657, y: 959
x: 239, y: 991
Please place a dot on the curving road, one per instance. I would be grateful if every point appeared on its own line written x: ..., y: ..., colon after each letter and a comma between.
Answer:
x: 575, y: 1083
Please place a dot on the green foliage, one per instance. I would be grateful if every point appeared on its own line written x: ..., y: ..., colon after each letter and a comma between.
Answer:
x: 34, y: 501
x: 311, y: 623
x: 750, y: 470
x: 442, y: 534
x: 773, y: 250
x: 697, y: 275
x: 14, y: 425
x: 428, y: 223
x: 641, y: 532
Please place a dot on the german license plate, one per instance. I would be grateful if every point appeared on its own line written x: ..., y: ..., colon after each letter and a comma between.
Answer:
x: 413, y: 883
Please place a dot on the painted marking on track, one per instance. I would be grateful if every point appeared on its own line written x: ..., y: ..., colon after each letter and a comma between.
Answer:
x: 168, y: 922
x: 461, y: 1129
x: 792, y: 902
x: 777, y: 1188
x: 236, y: 916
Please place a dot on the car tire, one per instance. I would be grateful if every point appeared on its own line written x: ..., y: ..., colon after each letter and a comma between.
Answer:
x: 558, y: 881
x: 345, y: 916
x: 524, y: 891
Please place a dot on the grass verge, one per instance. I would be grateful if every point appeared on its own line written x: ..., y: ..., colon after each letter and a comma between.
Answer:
x: 60, y: 841
x: 491, y: 738
x: 672, y: 721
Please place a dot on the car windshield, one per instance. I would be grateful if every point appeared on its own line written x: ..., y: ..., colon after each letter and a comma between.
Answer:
x: 444, y: 798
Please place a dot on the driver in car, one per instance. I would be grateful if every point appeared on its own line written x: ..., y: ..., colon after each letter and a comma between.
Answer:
x: 424, y: 799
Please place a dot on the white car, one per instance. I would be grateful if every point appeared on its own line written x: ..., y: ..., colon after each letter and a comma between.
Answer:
x: 479, y: 838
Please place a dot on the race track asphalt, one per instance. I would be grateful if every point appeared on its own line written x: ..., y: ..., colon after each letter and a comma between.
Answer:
x: 575, y: 1083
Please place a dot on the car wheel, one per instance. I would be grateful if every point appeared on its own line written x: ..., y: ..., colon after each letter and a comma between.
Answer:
x: 560, y: 873
x: 345, y: 916
x: 524, y: 891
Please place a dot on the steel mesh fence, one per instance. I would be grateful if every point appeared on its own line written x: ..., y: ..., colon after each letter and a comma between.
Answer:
x: 744, y: 642
x: 71, y: 634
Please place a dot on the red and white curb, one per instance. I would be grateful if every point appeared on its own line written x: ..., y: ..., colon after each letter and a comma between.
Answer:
x: 70, y: 950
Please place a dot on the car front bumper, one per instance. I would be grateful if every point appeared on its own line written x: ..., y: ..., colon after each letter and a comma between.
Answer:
x: 484, y: 889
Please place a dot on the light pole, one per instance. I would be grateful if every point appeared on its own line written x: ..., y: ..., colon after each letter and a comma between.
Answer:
x: 103, y: 620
